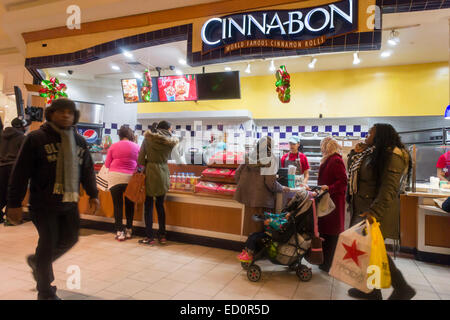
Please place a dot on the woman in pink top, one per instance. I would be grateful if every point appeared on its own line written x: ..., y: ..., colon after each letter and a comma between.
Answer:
x: 122, y: 162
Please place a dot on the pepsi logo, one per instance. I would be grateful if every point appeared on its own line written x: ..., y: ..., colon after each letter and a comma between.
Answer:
x: 90, y: 135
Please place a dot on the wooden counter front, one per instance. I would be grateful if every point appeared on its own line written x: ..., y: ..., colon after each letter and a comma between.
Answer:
x: 201, y: 214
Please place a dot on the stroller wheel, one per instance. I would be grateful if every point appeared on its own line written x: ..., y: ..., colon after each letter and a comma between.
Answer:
x: 304, y: 273
x: 254, y: 273
x: 245, y: 265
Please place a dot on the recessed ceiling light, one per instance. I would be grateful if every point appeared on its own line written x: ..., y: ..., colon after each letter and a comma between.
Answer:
x: 272, y: 66
x: 109, y: 96
x: 115, y: 68
x: 227, y: 69
x: 128, y: 54
x: 247, y: 70
x: 393, y: 38
x: 312, y: 64
x: 356, y: 59
x: 182, y: 62
x: 386, y: 54
x: 62, y: 74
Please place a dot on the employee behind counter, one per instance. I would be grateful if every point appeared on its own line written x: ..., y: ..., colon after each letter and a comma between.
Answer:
x: 296, y: 158
x: 443, y: 167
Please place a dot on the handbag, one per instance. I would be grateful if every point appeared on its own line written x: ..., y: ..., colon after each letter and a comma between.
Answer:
x: 351, y: 257
x: 102, y: 178
x: 135, y: 190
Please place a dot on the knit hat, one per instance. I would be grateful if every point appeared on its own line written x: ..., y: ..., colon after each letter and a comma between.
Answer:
x: 61, y: 104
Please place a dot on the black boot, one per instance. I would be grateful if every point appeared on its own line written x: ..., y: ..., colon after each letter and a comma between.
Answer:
x: 31, y: 261
x: 373, y: 295
x: 50, y: 295
x: 402, y: 290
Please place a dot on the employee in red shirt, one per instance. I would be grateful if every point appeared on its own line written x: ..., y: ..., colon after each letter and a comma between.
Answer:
x: 443, y: 167
x: 296, y: 158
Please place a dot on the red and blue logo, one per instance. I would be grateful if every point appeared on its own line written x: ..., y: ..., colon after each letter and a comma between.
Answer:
x: 90, y: 135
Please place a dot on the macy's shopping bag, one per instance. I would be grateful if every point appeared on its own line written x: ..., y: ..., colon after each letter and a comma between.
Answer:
x: 351, y: 257
x: 378, y: 262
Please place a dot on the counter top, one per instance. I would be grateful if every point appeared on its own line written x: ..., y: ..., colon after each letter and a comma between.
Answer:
x: 433, y: 194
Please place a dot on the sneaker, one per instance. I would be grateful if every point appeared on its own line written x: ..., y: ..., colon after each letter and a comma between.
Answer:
x: 162, y: 240
x: 147, y: 241
x: 120, y: 236
x: 128, y: 233
x: 245, y: 257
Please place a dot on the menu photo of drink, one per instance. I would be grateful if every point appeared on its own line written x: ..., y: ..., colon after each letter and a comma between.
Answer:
x: 177, y: 88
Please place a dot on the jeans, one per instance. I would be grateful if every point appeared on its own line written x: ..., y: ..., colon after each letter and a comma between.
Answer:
x: 5, y: 172
x: 148, y: 215
x: 117, y: 197
x: 58, y: 232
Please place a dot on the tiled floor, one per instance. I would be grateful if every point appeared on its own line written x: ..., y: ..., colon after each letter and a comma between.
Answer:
x: 125, y: 270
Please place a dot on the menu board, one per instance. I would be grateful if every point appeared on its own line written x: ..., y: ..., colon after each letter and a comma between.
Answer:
x: 177, y: 88
x: 134, y: 90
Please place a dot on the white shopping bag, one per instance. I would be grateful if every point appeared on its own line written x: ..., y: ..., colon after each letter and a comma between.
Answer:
x: 102, y: 179
x: 351, y: 257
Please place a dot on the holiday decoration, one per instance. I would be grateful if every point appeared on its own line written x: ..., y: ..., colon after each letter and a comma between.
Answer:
x: 52, y: 89
x: 283, y: 84
x: 146, y: 91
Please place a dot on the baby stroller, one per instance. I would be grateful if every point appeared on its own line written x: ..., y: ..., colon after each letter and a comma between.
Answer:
x: 293, y: 242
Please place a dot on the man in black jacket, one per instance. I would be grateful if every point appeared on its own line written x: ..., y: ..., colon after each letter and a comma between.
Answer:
x: 12, y: 139
x: 56, y: 159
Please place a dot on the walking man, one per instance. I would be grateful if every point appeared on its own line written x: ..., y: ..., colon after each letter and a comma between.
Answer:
x: 56, y: 159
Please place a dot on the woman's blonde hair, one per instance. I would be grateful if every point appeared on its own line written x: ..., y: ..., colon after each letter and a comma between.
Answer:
x: 329, y: 146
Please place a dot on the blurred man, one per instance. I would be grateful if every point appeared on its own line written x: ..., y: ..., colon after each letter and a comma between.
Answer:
x: 12, y: 139
x: 56, y: 159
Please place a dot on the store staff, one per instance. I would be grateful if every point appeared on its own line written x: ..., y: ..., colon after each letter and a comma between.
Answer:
x: 443, y: 166
x: 296, y: 158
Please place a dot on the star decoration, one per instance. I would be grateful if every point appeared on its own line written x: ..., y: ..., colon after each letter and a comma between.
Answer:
x: 352, y: 252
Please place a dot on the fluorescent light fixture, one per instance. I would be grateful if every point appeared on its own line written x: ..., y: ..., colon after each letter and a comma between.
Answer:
x: 272, y: 66
x: 447, y: 112
x: 109, y: 96
x: 115, y: 68
x: 356, y: 59
x: 386, y: 54
x: 182, y: 62
x: 312, y: 64
x: 128, y: 54
x: 393, y: 38
x: 62, y: 74
x: 137, y: 75
x: 248, y: 69
x: 179, y: 72
x: 227, y: 69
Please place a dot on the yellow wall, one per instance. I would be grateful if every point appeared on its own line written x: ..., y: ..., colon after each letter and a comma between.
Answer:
x: 409, y: 90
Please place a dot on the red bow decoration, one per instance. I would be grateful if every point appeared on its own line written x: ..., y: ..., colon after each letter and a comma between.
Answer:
x: 52, y: 89
x: 283, y: 84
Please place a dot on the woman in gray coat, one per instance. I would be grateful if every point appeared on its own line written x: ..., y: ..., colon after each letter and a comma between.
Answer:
x: 257, y: 184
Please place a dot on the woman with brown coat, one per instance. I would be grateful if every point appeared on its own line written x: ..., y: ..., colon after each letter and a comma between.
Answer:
x: 376, y: 176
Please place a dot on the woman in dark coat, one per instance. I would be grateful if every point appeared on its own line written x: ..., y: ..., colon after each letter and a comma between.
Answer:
x: 332, y: 176
x: 376, y: 177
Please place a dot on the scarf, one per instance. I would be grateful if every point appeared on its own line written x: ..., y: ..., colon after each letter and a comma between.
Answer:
x: 354, y: 169
x: 67, y: 181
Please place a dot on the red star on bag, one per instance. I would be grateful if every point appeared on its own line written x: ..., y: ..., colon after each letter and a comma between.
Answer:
x: 352, y: 252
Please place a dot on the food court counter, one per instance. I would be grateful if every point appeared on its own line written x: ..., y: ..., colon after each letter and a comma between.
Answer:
x: 198, y: 214
x: 424, y: 226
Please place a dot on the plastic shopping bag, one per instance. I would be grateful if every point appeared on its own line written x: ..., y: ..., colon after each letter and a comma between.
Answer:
x: 379, y: 273
x: 102, y: 179
x: 351, y: 257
